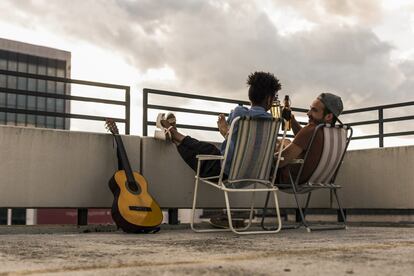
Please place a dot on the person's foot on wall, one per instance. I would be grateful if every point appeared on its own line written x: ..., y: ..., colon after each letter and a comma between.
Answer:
x: 165, y: 124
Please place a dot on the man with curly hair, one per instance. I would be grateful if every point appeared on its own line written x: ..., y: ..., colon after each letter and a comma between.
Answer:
x: 262, y: 91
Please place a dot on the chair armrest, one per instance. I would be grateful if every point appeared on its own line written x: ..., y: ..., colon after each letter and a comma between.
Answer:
x: 296, y: 161
x: 209, y: 157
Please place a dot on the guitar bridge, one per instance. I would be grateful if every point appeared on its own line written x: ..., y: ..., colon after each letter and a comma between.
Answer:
x: 140, y: 208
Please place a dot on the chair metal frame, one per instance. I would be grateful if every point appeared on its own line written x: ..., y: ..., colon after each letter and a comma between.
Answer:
x: 295, y: 188
x: 269, y: 186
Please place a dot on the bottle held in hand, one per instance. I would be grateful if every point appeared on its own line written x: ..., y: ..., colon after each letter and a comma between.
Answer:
x: 286, y: 114
x: 275, y: 109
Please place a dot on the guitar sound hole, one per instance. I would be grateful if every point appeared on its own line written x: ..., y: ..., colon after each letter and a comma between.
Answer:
x: 133, y: 187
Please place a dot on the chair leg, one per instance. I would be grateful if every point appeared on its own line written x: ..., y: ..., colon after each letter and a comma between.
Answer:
x: 307, y: 203
x: 251, y: 211
x: 302, y: 216
x: 332, y: 227
x: 279, y: 221
x: 193, y: 214
x: 340, y: 208
x: 242, y: 231
x: 264, y: 212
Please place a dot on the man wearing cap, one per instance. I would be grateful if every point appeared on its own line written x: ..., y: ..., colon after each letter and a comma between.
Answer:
x: 326, y: 108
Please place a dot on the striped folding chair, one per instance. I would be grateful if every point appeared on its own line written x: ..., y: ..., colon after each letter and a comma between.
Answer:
x: 249, y: 157
x: 336, y: 141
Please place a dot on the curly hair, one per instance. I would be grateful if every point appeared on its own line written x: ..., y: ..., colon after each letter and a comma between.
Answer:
x: 262, y: 85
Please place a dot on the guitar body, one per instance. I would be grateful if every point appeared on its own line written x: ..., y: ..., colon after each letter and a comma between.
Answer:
x: 133, y: 211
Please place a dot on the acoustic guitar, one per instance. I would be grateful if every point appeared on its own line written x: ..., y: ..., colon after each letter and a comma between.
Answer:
x: 133, y: 208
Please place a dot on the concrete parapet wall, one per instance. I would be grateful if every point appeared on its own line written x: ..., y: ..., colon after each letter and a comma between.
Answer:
x: 378, y: 178
x: 58, y: 168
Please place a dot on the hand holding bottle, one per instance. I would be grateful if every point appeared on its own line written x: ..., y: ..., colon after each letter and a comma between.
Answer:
x: 287, y: 114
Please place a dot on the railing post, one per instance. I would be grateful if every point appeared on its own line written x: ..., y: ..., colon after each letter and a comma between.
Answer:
x: 82, y: 216
x: 381, y: 127
x: 145, y: 113
x: 127, y: 110
x: 173, y: 216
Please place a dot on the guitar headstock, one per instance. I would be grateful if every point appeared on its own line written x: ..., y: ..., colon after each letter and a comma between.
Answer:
x: 110, y: 125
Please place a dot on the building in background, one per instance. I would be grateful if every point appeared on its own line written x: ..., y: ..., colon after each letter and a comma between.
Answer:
x: 33, y: 59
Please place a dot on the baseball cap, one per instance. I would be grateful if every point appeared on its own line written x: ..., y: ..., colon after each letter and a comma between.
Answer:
x: 332, y: 102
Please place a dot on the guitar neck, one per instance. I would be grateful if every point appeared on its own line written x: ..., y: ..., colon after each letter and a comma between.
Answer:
x: 124, y: 158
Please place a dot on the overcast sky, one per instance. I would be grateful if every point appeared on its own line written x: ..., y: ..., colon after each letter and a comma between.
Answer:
x: 361, y: 50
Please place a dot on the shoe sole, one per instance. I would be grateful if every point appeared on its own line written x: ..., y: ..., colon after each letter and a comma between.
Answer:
x: 160, y: 117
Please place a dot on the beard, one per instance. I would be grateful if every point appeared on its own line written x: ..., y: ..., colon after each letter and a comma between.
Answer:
x: 315, y: 121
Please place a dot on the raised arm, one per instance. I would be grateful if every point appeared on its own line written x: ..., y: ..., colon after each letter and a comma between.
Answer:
x: 295, y: 124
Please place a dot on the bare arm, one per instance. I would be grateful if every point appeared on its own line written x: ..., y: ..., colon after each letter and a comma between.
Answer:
x: 291, y: 152
x: 296, y: 127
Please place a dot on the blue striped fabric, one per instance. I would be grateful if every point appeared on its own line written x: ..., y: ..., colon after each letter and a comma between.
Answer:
x: 254, y: 149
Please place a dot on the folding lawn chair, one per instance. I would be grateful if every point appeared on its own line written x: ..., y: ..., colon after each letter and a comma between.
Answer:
x: 253, y: 141
x: 336, y: 141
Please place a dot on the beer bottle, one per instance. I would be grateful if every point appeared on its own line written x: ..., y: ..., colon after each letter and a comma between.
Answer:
x: 275, y: 109
x: 286, y: 114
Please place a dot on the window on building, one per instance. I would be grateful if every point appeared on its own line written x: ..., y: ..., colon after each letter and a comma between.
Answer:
x: 51, y: 87
x: 31, y: 84
x: 40, y: 121
x: 2, y: 117
x: 21, y: 101
x: 41, y: 66
x: 12, y: 62
x: 3, y: 60
x: 21, y: 119
x: 22, y: 63
x: 3, y: 81
x: 60, y: 88
x: 11, y: 119
x: 50, y: 122
x: 41, y: 103
x: 31, y: 120
x: 60, y: 105
x: 31, y: 68
x: 31, y: 102
x: 11, y: 82
x: 11, y: 100
x: 21, y: 83
x: 3, y: 99
x: 51, y: 104
x: 60, y: 123
x: 41, y: 85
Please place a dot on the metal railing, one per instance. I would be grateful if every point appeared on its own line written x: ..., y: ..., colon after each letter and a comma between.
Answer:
x: 380, y: 111
x: 125, y: 103
x: 380, y: 121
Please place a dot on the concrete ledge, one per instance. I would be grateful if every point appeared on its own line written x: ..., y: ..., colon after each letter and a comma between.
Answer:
x: 58, y: 168
x: 378, y: 178
x: 66, y: 169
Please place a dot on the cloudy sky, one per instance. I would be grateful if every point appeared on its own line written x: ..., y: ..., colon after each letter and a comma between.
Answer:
x: 362, y: 50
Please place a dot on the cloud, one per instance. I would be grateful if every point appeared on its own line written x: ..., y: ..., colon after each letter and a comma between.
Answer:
x: 363, y: 12
x: 211, y: 46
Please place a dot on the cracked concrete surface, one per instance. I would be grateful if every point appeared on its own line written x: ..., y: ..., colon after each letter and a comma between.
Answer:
x: 179, y: 251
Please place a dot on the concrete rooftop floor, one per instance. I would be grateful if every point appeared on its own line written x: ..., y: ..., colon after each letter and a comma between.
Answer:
x: 69, y: 250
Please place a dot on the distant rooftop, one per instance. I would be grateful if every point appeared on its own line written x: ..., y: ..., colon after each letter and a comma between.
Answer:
x: 31, y: 49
